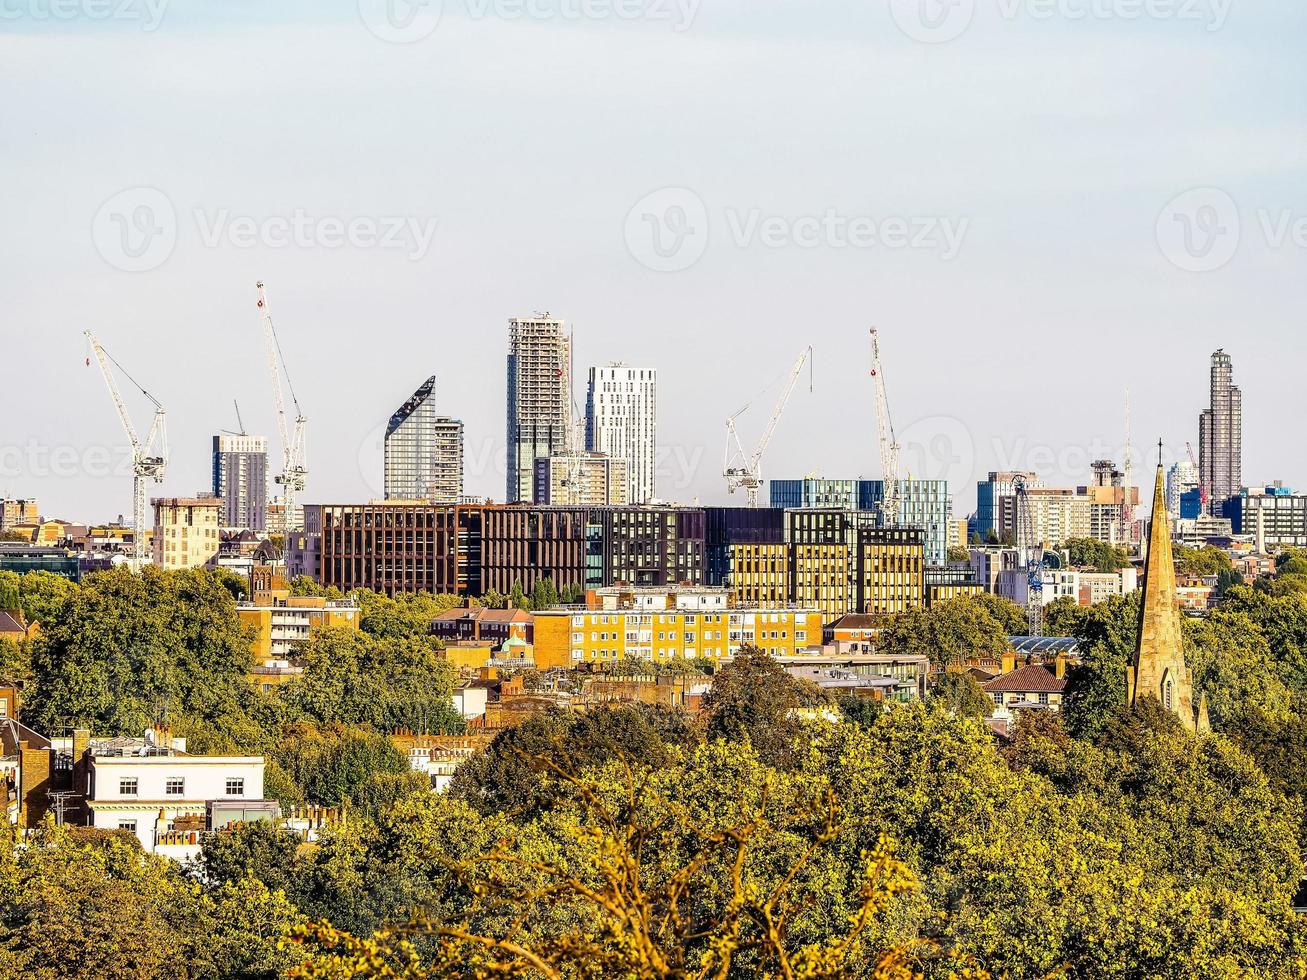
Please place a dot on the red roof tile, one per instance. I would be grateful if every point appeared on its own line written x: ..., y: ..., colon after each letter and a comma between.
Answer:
x: 1032, y: 678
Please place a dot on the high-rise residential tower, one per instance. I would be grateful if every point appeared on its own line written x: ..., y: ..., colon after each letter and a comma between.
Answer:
x: 240, y: 481
x: 539, y: 398
x: 621, y: 420
x: 424, y: 451
x: 1220, y: 436
x: 1181, y: 479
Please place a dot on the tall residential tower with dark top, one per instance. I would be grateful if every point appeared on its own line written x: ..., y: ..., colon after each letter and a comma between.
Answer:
x: 1220, y: 436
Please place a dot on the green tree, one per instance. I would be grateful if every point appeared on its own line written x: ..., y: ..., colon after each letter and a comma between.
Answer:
x: 387, y: 681
x: 407, y: 616
x: 1095, y: 554
x: 303, y: 586
x: 1010, y: 616
x: 128, y: 651
x: 753, y: 697
x: 959, y: 555
x: 961, y: 694
x: 1207, y: 560
x: 948, y: 632
x: 516, y: 597
x: 347, y: 765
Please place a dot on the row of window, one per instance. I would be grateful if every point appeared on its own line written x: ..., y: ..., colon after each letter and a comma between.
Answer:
x: 175, y: 786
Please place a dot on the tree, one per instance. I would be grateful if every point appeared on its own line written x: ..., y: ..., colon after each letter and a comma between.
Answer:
x: 628, y: 913
x: 1010, y: 616
x: 302, y: 586
x: 544, y: 595
x: 504, y: 779
x: 516, y: 597
x: 1207, y: 560
x: 1095, y: 554
x: 948, y: 633
x: 347, y: 765
x: 753, y: 697
x: 406, y: 616
x: 127, y: 651
x: 388, y: 682
x: 959, y: 555
x: 961, y: 694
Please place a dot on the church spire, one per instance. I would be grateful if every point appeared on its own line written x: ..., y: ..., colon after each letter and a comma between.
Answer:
x: 1159, y: 668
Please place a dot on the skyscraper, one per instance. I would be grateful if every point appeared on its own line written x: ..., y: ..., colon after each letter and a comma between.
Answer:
x: 621, y: 419
x: 240, y: 481
x: 424, y: 451
x: 1181, y: 478
x: 539, y: 398
x: 1220, y: 436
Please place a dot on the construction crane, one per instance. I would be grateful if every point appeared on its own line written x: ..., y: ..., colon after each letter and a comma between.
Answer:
x: 294, y: 469
x: 240, y: 423
x: 745, y: 471
x: 1202, y: 486
x: 1030, y: 553
x: 889, y: 447
x: 148, y: 462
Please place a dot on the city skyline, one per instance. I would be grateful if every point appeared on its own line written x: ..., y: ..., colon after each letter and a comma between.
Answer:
x: 1062, y: 238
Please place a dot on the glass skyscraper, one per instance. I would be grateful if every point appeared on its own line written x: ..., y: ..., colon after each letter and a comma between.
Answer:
x: 424, y: 451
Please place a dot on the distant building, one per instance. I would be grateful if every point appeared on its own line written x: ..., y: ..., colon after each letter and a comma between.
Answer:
x: 13, y: 512
x: 990, y: 494
x: 539, y: 398
x: 567, y: 638
x: 22, y: 558
x: 1220, y: 435
x: 424, y: 451
x: 186, y: 531
x: 1275, y: 517
x: 922, y: 504
x: 240, y: 480
x: 1181, y: 479
x: 585, y: 479
x: 282, y: 622
x: 621, y: 419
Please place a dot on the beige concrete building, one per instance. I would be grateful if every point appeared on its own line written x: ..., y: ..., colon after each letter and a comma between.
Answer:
x: 581, y: 480
x: 14, y: 512
x: 185, y: 531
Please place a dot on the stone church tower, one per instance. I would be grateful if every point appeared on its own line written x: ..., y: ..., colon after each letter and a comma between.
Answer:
x: 1159, y: 668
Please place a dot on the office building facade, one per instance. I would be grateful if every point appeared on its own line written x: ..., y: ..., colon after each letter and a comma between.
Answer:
x: 424, y: 451
x: 240, y: 480
x: 923, y: 504
x: 1181, y: 479
x: 1220, y: 436
x: 1275, y: 517
x: 539, y: 399
x: 621, y: 420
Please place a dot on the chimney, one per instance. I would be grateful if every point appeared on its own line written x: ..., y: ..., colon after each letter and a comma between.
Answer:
x: 1059, y: 666
x: 1009, y: 662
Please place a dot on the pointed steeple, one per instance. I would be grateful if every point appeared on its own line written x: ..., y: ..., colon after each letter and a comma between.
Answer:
x: 1159, y: 668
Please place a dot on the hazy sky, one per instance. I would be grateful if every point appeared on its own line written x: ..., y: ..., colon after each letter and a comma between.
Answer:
x: 1036, y: 202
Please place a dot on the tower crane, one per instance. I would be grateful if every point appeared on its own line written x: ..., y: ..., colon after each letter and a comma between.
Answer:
x: 889, y: 447
x: 1030, y: 553
x: 294, y: 468
x: 745, y: 471
x: 1202, y: 485
x: 148, y: 462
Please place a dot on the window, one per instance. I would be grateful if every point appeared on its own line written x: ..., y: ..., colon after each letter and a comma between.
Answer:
x: 127, y: 825
x: 128, y: 786
x: 235, y: 787
x: 174, y: 786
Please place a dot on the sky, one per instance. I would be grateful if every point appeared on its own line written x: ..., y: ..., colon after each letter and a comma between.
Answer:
x: 1040, y: 205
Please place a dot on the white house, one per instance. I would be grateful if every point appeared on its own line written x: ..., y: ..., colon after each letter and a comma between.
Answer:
x: 167, y: 799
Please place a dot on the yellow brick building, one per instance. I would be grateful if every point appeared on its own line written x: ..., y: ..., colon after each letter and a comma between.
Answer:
x: 281, y: 622
x: 760, y: 574
x: 568, y: 638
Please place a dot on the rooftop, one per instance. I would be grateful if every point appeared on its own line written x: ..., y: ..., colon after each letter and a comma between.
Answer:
x: 1032, y: 678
